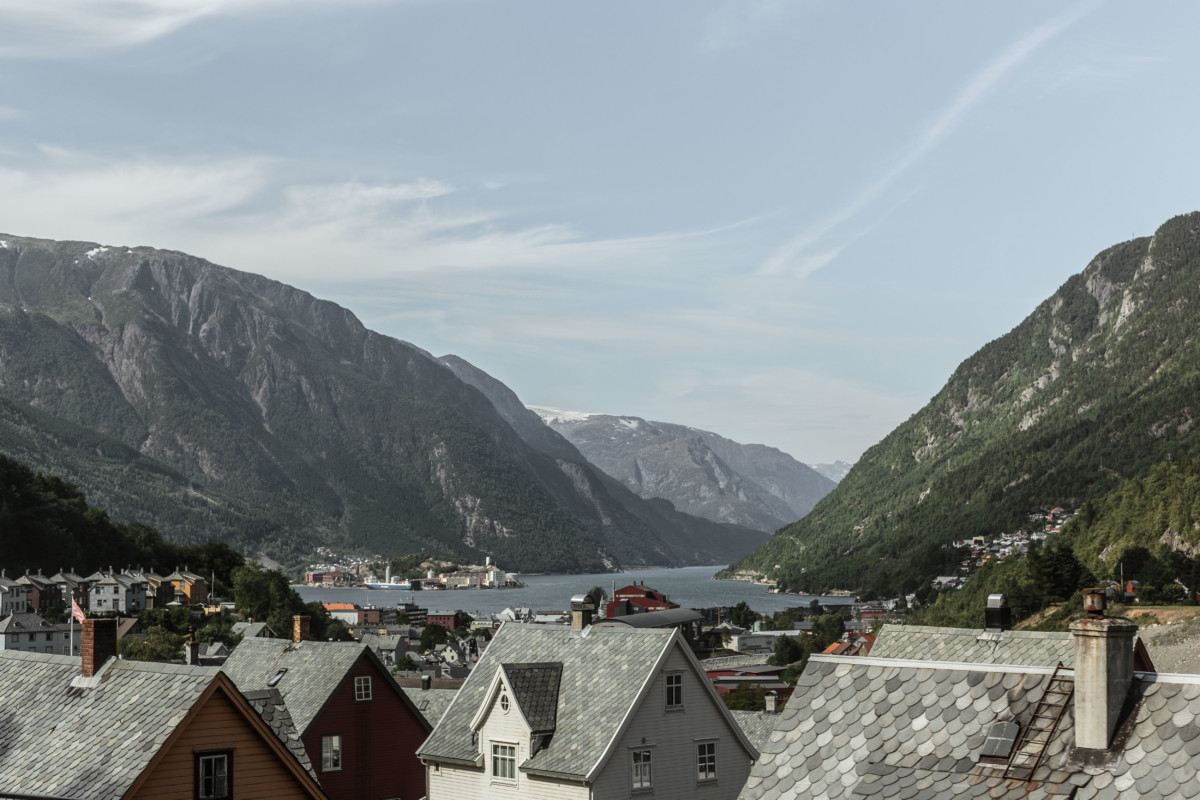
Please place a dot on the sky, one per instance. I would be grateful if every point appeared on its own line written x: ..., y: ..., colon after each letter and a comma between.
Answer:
x: 784, y: 222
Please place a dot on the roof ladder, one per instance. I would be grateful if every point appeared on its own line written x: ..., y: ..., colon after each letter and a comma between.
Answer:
x: 1037, y: 734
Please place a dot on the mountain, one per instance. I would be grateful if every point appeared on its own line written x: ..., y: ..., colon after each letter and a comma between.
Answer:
x: 685, y: 533
x: 698, y: 471
x: 1098, y: 384
x: 835, y: 471
x: 217, y: 404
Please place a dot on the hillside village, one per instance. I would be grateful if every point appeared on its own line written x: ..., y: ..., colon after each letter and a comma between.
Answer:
x: 676, y: 701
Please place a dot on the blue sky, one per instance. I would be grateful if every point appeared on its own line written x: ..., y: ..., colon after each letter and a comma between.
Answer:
x: 785, y: 222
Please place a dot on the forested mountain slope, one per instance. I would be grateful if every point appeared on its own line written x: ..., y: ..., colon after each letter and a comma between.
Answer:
x: 1098, y: 384
x: 213, y: 403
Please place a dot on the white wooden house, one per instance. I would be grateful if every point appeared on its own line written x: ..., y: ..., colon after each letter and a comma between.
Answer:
x: 595, y: 712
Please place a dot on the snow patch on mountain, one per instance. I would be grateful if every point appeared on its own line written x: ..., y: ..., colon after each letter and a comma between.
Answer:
x: 552, y: 415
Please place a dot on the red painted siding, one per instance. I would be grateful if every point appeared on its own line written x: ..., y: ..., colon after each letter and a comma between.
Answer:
x: 380, y: 737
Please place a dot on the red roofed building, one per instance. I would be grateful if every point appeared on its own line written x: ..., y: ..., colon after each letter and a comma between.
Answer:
x: 637, y: 598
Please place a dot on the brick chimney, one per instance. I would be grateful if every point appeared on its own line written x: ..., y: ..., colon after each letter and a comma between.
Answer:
x: 99, y: 644
x: 300, y: 627
x: 1103, y: 672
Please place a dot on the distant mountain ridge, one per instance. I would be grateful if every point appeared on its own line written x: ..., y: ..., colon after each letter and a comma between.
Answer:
x: 213, y: 403
x: 1100, y: 383
x: 700, y: 472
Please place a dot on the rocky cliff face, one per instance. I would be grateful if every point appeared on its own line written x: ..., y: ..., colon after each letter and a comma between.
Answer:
x: 1098, y: 384
x: 215, y: 403
x: 699, y: 472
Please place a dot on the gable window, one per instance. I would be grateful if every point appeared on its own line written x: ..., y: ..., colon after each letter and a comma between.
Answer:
x: 674, y: 687
x: 504, y: 762
x: 214, y: 776
x: 706, y: 761
x: 331, y: 753
x: 642, y: 777
x: 362, y: 687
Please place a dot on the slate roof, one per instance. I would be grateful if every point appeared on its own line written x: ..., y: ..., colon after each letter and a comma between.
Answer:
x: 535, y: 688
x: 602, y: 676
x: 28, y: 623
x: 270, y: 706
x: 87, y: 743
x: 314, y: 671
x: 914, y: 729
x: 757, y: 725
x: 252, y: 630
x: 974, y: 645
x: 733, y: 662
x: 431, y: 703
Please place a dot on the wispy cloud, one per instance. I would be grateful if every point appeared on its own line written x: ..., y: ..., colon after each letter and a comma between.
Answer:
x: 736, y: 23
x: 1107, y: 69
x: 795, y: 257
x: 245, y: 212
x: 68, y: 29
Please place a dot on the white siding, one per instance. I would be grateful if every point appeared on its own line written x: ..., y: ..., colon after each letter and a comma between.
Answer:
x: 673, y: 736
x: 463, y: 782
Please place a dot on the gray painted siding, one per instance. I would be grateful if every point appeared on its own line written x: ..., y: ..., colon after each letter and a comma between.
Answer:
x: 674, y: 735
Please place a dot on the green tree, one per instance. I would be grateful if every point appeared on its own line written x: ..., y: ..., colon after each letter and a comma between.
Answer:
x: 746, y: 698
x: 158, y: 644
x: 787, y: 650
x: 742, y: 615
x: 432, y: 636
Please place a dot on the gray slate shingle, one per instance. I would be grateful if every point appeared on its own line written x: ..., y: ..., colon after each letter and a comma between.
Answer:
x: 860, y: 728
x: 87, y: 743
x: 974, y: 645
x: 602, y: 674
x: 314, y: 670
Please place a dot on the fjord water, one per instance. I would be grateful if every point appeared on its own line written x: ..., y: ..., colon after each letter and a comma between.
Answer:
x: 691, y: 587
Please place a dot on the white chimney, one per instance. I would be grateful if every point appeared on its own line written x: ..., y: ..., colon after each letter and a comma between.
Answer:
x: 1103, y: 672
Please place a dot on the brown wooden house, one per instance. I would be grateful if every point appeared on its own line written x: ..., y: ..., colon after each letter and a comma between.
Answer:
x: 105, y: 728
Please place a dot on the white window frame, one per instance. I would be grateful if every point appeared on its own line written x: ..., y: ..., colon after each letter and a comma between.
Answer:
x: 641, y: 763
x: 673, y: 691
x: 362, y: 688
x: 706, y: 761
x: 504, y: 762
x: 331, y: 753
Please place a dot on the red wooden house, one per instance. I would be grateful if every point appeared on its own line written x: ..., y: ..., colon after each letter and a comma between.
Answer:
x: 359, y: 728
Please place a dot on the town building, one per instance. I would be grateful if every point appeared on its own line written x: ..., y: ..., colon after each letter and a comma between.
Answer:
x: 14, y: 596
x: 188, y: 588
x: 359, y: 729
x: 588, y: 712
x: 878, y: 727
x: 44, y: 594
x: 117, y: 591
x: 99, y: 727
x: 30, y: 633
x: 637, y: 598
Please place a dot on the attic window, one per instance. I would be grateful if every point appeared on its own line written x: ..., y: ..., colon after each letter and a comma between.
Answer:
x: 278, y: 675
x: 504, y: 703
x: 1000, y: 740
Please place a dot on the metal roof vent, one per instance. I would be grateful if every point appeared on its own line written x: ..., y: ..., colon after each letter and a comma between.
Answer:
x: 997, y: 616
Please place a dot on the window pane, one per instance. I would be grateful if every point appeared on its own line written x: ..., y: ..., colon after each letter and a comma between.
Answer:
x: 706, y: 761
